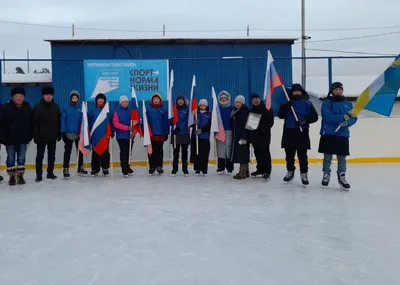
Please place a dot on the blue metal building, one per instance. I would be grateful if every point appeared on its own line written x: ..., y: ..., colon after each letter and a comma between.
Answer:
x: 235, y: 65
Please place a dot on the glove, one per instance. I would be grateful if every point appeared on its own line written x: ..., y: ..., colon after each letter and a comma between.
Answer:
x: 196, y: 121
x: 289, y: 104
x: 198, y: 132
x: 301, y: 123
x: 242, y: 142
x: 130, y: 128
x: 344, y: 124
x: 166, y: 138
x: 131, y: 135
x: 176, y: 130
x: 59, y: 137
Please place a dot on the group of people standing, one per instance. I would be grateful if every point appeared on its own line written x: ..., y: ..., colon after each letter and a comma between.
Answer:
x: 47, y: 124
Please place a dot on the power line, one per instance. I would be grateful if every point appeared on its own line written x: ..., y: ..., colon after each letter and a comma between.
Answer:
x: 352, y: 52
x: 330, y: 29
x: 354, y: 38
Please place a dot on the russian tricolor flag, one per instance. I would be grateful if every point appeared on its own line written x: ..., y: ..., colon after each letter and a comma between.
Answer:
x: 101, y: 131
x: 146, y: 132
x: 84, y: 139
x: 272, y: 80
x: 193, y: 103
x: 216, y: 120
x: 135, y: 118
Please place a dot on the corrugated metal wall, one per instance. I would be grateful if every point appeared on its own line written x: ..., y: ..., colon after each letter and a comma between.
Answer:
x: 237, y: 76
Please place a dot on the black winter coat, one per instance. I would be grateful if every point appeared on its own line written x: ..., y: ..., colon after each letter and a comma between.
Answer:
x: 263, y: 133
x: 16, y: 124
x: 240, y: 153
x: 46, y: 122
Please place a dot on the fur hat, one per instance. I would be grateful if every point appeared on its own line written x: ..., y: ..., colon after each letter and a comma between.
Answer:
x: 17, y: 90
x: 241, y: 99
x: 123, y: 98
x: 47, y: 90
x: 203, y: 102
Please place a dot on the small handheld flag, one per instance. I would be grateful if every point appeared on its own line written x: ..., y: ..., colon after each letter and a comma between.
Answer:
x: 217, y: 125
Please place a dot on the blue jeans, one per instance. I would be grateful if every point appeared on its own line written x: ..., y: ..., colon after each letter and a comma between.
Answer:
x: 341, y: 167
x: 16, y: 153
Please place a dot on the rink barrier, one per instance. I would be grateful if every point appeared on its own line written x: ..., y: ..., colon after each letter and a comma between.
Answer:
x: 214, y: 162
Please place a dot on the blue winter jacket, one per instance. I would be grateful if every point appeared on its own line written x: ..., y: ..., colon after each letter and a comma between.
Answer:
x: 71, y: 119
x: 226, y: 117
x: 303, y: 109
x: 183, y: 118
x: 158, y: 120
x: 124, y: 118
x: 94, y: 113
x: 332, y: 114
x: 204, y: 125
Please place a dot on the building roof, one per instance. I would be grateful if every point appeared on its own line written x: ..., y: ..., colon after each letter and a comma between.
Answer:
x: 175, y: 41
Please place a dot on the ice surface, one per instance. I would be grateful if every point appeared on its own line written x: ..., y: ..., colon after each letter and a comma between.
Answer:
x: 202, y: 230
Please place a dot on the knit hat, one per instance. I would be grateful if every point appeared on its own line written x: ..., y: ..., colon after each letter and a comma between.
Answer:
x: 336, y: 85
x: 102, y: 96
x: 156, y: 94
x: 123, y: 98
x: 180, y: 97
x: 203, y: 102
x: 255, y: 95
x: 17, y: 90
x: 47, y: 90
x: 241, y: 99
x: 74, y: 93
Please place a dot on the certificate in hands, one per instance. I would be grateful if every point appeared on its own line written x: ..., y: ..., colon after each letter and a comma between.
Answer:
x: 253, y: 121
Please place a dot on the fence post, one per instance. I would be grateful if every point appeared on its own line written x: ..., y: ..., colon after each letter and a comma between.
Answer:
x: 329, y: 72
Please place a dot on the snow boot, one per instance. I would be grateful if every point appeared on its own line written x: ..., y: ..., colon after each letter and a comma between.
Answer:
x: 257, y: 173
x: 105, y: 171
x: 242, y: 172
x: 160, y: 170
x: 82, y: 172
x: 11, y: 174
x: 20, y: 175
x: 50, y: 175
x: 304, y: 179
x: 325, y: 179
x: 342, y: 181
x: 247, y: 170
x: 66, y: 173
x: 289, y: 177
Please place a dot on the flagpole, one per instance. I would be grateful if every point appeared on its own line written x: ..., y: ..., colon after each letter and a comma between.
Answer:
x: 111, y: 159
x: 77, y: 160
x: 197, y: 137
x: 293, y: 111
x: 130, y: 145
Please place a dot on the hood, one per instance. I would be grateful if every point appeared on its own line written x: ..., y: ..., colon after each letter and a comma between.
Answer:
x: 72, y: 93
x: 228, y: 103
x: 297, y: 86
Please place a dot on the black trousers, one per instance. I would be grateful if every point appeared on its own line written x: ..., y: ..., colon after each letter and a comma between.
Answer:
x: 67, y: 153
x: 51, y: 156
x: 225, y: 163
x: 103, y: 160
x: 156, y: 159
x: 290, y: 159
x: 263, y: 157
x: 201, y: 160
x: 177, y: 150
x: 124, y: 154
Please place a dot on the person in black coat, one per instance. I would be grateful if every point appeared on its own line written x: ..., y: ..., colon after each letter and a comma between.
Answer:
x: 46, y: 130
x: 296, y: 136
x: 261, y: 137
x: 16, y: 133
x: 240, y: 145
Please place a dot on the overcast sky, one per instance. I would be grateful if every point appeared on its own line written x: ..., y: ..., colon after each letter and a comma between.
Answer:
x: 197, y: 16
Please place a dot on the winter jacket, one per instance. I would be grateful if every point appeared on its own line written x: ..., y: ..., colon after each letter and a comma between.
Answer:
x: 71, y: 119
x: 16, y: 124
x: 240, y: 153
x: 183, y: 118
x: 332, y: 112
x: 263, y: 133
x: 121, y: 122
x: 204, y: 125
x: 225, y: 111
x: 157, y: 118
x: 293, y: 137
x: 46, y: 122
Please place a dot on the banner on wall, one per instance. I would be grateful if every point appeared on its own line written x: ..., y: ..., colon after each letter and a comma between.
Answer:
x: 115, y: 78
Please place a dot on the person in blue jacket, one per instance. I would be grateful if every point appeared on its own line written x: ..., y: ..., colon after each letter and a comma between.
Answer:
x: 203, y: 123
x: 294, y: 139
x: 71, y: 120
x: 224, y: 149
x: 180, y: 134
x: 335, y: 112
x: 157, y: 117
x: 124, y: 132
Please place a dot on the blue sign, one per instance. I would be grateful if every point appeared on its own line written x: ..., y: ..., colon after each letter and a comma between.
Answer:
x: 115, y: 78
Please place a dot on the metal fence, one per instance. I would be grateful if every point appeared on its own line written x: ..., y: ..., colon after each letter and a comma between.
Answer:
x: 356, y: 73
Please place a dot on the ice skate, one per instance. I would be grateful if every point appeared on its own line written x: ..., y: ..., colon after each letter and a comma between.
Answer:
x: 82, y: 172
x: 51, y: 176
x: 342, y: 182
x: 39, y: 178
x: 257, y: 173
x: 197, y: 172
x: 106, y: 172
x: 160, y: 170
x: 94, y: 173
x: 289, y: 177
x: 220, y: 171
x: 185, y: 170
x: 304, y: 179
x: 174, y: 170
x: 130, y: 171
x: 267, y: 176
x: 151, y: 171
x: 325, y: 179
x: 66, y: 173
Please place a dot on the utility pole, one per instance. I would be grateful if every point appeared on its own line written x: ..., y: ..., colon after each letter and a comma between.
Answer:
x: 163, y: 30
x: 73, y: 30
x: 248, y: 30
x: 4, y: 62
x: 303, y: 44
x: 27, y: 60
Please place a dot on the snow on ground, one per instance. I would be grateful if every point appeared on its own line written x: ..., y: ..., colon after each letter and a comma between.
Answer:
x: 196, y: 230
